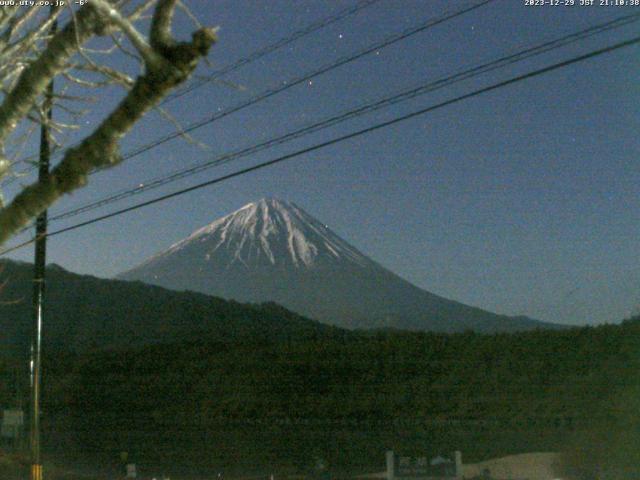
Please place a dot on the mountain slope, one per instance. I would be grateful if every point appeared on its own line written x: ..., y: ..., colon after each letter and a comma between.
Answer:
x: 86, y: 313
x: 273, y: 250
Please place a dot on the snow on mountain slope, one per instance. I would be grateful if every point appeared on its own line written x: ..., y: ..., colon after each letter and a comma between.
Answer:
x: 268, y: 231
x: 273, y: 250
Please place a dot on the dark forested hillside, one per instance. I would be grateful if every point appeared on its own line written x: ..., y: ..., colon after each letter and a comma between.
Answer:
x: 85, y: 313
x: 186, y: 381
x: 276, y: 404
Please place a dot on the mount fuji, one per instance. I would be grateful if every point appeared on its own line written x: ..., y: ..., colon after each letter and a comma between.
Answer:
x: 273, y: 251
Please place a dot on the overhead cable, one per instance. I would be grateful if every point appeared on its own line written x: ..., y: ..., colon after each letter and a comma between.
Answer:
x: 336, y: 140
x: 405, y: 95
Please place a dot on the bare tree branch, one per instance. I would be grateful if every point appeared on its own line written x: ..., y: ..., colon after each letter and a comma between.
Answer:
x: 161, y: 25
x: 140, y: 11
x: 172, y: 63
x: 135, y: 37
x: 35, y: 78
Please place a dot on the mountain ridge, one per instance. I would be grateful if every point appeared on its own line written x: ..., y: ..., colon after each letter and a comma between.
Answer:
x: 83, y: 313
x: 272, y: 250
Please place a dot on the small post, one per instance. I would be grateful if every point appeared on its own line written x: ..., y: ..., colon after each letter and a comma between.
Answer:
x: 458, y: 460
x: 390, y: 465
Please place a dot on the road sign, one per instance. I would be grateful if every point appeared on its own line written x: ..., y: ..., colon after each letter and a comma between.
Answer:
x: 12, y: 423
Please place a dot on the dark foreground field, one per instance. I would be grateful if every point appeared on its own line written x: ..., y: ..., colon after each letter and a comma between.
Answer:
x: 244, y: 408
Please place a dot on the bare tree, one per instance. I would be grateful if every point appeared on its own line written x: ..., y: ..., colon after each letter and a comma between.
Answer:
x: 31, y: 57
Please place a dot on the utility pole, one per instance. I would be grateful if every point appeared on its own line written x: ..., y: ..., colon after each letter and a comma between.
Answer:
x: 39, y: 282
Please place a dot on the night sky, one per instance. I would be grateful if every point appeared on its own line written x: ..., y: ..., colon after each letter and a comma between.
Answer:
x: 524, y: 200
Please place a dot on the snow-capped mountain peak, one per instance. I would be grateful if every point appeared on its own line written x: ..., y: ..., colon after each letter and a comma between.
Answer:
x: 268, y: 231
x: 272, y: 250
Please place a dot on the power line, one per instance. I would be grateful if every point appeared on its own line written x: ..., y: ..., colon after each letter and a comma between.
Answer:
x: 308, y: 76
x: 429, y: 23
x: 258, y: 54
x: 252, y: 57
x: 352, y: 113
x: 286, y: 85
x: 342, y: 138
